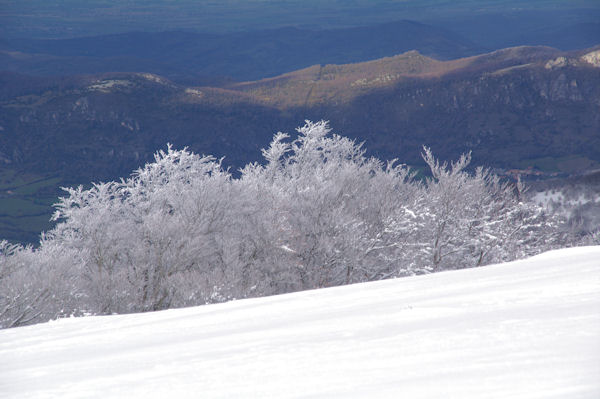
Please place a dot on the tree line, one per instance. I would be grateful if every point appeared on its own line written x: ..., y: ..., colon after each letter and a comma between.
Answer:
x: 182, y: 231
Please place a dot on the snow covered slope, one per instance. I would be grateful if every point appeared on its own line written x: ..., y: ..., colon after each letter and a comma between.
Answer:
x: 527, y: 329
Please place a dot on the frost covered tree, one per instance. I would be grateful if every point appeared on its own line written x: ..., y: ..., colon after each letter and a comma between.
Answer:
x: 140, y: 240
x: 330, y: 203
x: 36, y: 286
x: 472, y: 219
x: 20, y: 298
x: 181, y: 231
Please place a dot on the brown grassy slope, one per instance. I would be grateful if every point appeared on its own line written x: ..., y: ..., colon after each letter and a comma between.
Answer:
x: 338, y: 84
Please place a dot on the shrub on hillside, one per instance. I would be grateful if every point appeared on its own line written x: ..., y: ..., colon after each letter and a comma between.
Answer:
x: 182, y: 231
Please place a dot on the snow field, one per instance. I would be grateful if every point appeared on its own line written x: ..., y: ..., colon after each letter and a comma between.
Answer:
x: 525, y: 329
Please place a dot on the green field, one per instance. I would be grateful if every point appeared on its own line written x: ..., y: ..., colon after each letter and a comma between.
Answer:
x: 26, y: 205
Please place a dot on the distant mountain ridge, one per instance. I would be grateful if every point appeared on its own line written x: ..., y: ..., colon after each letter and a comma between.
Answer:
x: 240, y: 56
x: 528, y: 75
x: 340, y: 83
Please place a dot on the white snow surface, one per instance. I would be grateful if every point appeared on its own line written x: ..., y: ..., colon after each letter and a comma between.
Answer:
x: 526, y: 329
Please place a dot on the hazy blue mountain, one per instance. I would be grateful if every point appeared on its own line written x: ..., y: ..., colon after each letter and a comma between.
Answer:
x: 76, y: 18
x: 567, y: 28
x: 241, y: 56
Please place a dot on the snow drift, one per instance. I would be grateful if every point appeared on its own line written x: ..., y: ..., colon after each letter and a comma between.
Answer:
x: 526, y: 329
